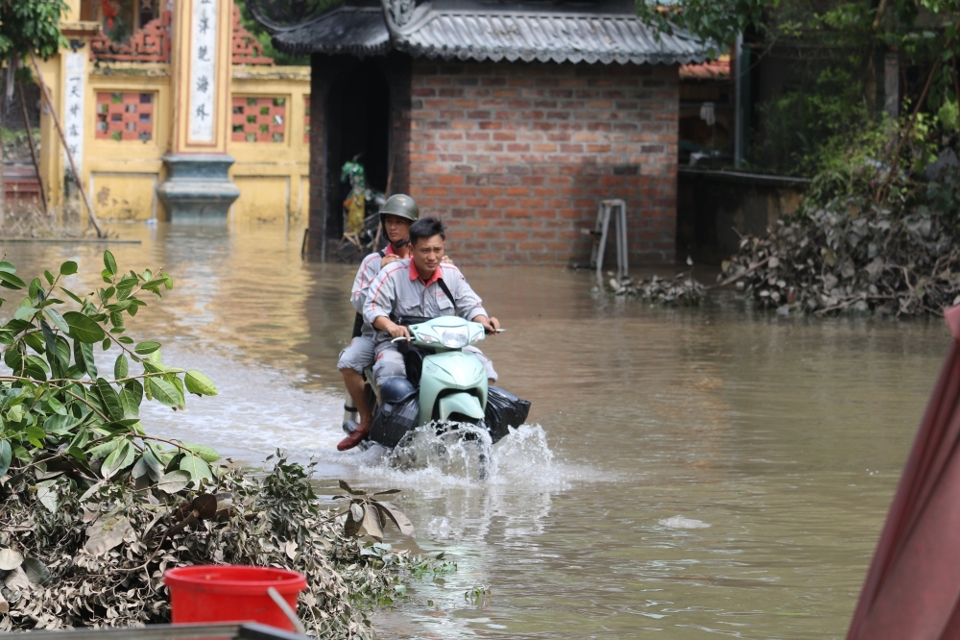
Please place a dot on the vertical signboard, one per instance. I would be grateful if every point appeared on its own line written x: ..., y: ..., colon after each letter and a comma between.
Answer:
x: 203, y: 68
x: 74, y: 81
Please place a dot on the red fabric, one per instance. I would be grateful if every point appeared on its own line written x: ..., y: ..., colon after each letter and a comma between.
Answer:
x: 912, y: 588
x: 414, y: 274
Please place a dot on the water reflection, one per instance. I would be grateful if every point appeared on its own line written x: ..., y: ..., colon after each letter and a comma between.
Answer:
x: 784, y: 435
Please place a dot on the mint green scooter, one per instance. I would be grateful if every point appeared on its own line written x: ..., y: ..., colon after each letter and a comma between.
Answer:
x: 444, y: 385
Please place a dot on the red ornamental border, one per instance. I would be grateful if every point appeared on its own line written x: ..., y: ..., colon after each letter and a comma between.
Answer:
x: 152, y: 43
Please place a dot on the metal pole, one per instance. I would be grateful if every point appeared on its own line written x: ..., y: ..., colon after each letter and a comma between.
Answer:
x: 738, y: 107
x: 33, y: 148
x: 66, y: 147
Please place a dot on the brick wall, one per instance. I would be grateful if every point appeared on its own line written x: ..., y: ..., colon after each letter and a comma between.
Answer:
x: 516, y: 156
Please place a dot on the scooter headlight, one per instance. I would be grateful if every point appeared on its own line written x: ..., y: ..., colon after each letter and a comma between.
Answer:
x: 427, y: 338
x: 455, y: 338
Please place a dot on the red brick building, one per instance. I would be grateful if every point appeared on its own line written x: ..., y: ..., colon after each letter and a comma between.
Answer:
x: 511, y: 120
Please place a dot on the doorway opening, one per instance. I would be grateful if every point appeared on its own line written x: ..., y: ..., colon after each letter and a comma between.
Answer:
x: 357, y: 129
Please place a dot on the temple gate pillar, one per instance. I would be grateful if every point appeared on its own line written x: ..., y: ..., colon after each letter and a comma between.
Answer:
x: 198, y: 188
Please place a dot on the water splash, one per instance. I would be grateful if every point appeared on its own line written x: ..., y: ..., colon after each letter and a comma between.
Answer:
x: 523, y: 458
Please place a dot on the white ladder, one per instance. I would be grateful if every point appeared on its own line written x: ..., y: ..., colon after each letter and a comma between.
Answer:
x: 617, y: 208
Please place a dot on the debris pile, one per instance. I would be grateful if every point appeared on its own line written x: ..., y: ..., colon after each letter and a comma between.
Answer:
x: 854, y: 256
x: 97, y: 558
x: 681, y: 290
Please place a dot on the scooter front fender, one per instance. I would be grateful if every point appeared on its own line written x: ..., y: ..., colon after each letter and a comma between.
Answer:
x: 462, y: 403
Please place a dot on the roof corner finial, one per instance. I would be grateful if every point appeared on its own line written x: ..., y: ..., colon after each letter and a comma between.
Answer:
x: 398, y: 12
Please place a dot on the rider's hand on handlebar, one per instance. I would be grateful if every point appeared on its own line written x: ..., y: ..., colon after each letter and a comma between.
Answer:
x: 397, y: 331
x: 492, y: 325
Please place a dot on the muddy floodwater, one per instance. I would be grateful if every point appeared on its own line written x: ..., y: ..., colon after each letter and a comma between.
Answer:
x: 686, y: 474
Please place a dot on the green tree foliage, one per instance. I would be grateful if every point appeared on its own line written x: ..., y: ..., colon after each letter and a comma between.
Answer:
x: 59, y: 409
x: 263, y: 37
x: 835, y: 50
x: 30, y: 25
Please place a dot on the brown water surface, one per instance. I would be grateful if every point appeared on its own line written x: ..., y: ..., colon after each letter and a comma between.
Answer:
x: 687, y: 474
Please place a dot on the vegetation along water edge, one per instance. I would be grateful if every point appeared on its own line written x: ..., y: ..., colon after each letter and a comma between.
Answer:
x: 94, y: 510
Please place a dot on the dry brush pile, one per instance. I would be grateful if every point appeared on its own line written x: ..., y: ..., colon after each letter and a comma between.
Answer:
x: 853, y: 256
x: 97, y: 558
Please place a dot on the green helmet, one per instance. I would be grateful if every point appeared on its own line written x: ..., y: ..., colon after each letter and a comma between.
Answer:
x: 401, y: 205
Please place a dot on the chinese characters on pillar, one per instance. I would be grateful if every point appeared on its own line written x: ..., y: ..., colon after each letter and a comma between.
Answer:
x: 203, y: 48
x: 73, y: 106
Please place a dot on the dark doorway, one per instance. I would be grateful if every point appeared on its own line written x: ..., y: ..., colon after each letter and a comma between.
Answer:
x: 357, y: 126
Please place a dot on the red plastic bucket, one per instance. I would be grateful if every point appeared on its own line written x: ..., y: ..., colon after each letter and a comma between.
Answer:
x: 227, y: 593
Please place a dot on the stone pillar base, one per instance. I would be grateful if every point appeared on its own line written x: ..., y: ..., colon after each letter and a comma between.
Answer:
x: 197, y: 188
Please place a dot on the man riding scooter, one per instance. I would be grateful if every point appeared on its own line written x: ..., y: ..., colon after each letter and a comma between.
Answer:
x: 396, y: 216
x: 419, y: 287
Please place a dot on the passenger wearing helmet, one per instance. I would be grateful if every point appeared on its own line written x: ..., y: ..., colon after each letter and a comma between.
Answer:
x: 396, y: 216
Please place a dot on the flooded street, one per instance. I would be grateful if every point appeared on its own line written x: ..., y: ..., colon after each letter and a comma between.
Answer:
x: 687, y: 473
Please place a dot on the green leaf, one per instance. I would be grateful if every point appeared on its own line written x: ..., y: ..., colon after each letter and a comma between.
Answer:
x: 83, y: 354
x: 72, y: 295
x: 111, y: 400
x: 36, y: 435
x: 11, y: 281
x: 104, y: 448
x: 23, y: 313
x: 110, y: 263
x: 15, y: 413
x: 199, y: 384
x: 121, y: 458
x: 6, y: 456
x: 36, y: 289
x: 174, y: 481
x: 49, y: 277
x: 53, y: 353
x: 125, y: 339
x: 83, y: 328
x: 56, y: 406
x: 146, y: 348
x: 7, y: 266
x: 135, y: 389
x: 57, y: 320
x: 154, y: 466
x: 60, y: 424
x: 207, y: 453
x: 121, y: 367
x: 68, y: 268
x: 196, y: 467
x: 130, y: 403
x: 164, y: 392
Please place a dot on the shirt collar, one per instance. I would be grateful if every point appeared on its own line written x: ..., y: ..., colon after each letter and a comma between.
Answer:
x: 389, y: 250
x: 415, y: 275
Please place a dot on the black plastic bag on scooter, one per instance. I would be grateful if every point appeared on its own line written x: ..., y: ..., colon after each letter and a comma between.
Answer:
x: 393, y: 421
x: 398, y: 414
x: 504, y: 410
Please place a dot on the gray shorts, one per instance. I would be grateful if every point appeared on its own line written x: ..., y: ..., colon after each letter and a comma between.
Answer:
x: 389, y: 362
x: 358, y: 355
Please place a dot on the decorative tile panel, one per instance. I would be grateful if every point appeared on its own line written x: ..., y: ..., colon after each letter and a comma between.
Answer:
x: 125, y: 116
x: 258, y: 119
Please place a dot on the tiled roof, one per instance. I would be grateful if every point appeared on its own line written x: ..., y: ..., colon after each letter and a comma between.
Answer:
x: 545, y: 37
x: 360, y: 31
x: 576, y: 31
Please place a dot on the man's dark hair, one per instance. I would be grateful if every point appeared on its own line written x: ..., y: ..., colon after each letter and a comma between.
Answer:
x: 427, y: 227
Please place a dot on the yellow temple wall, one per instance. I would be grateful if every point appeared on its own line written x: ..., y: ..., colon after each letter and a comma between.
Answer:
x: 128, y: 122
